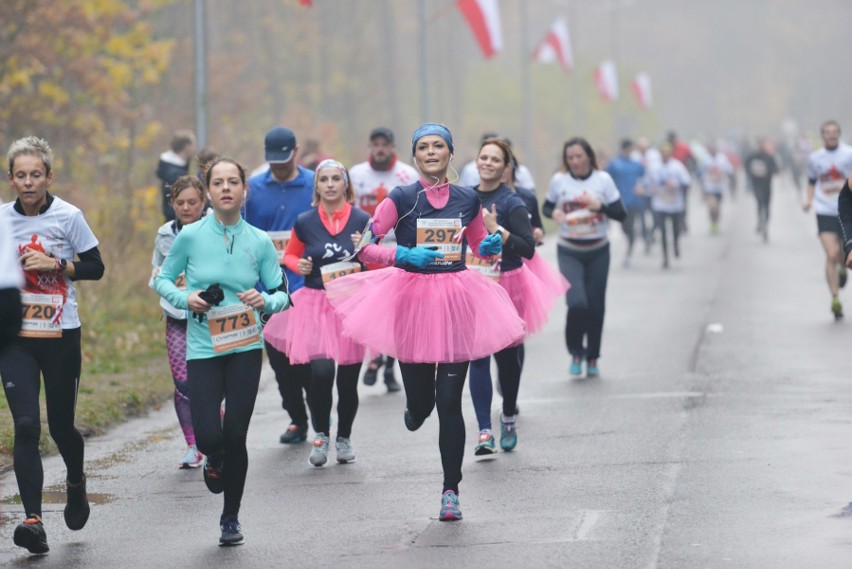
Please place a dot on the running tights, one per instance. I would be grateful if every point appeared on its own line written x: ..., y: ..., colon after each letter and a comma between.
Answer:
x: 509, y: 365
x: 176, y: 347
x: 234, y: 378
x: 588, y: 272
x: 322, y: 381
x: 21, y: 363
x: 441, y: 385
x: 676, y: 221
x: 292, y: 381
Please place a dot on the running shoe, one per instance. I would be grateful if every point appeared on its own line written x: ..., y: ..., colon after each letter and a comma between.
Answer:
x: 841, y: 272
x: 836, y: 308
x: 77, y: 507
x: 486, y: 444
x: 390, y: 381
x: 592, y: 370
x: 411, y: 423
x: 294, y: 434
x: 508, y: 435
x: 450, y: 511
x: 30, y: 535
x: 213, y: 475
x: 319, y: 453
x: 232, y: 533
x: 373, y: 370
x: 192, y: 459
x: 345, y: 452
x: 576, y: 366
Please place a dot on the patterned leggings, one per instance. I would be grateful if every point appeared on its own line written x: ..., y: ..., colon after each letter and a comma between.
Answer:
x: 176, y: 346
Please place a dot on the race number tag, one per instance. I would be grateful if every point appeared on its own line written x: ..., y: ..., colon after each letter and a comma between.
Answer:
x: 581, y: 223
x: 39, y: 315
x: 180, y: 282
x: 485, y: 267
x: 443, y: 234
x: 831, y: 187
x: 280, y: 240
x: 337, y: 270
x: 232, y: 327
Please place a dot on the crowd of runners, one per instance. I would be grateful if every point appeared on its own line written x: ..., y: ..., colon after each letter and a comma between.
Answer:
x: 326, y: 268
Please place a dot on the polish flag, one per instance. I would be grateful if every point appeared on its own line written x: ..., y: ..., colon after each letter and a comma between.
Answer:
x: 606, y: 78
x: 483, y: 17
x: 306, y: 2
x: 556, y: 46
x: 642, y: 89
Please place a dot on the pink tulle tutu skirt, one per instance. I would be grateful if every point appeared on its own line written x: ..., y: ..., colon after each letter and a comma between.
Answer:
x: 532, y: 298
x: 311, y: 330
x: 555, y: 282
x: 426, y: 318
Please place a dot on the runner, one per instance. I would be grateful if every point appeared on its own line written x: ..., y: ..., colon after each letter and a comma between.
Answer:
x: 372, y: 180
x: 320, y: 249
x: 828, y: 167
x: 505, y: 214
x: 469, y: 175
x: 668, y: 184
x: 187, y: 201
x: 11, y: 281
x: 760, y: 166
x: 844, y: 207
x: 428, y: 311
x: 715, y: 174
x: 580, y: 199
x: 275, y: 199
x: 56, y: 247
x: 222, y: 258
x: 627, y: 175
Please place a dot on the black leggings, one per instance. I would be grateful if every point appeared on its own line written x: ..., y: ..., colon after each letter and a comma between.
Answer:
x: 322, y: 381
x: 234, y: 378
x: 292, y: 380
x: 21, y: 363
x: 676, y: 220
x: 588, y: 272
x: 428, y: 385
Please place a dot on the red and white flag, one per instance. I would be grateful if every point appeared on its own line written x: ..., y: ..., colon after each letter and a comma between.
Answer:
x: 606, y: 78
x: 307, y: 3
x: 642, y: 89
x: 556, y: 46
x: 483, y: 17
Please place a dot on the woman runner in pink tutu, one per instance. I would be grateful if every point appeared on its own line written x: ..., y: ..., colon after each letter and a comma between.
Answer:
x: 504, y: 213
x: 428, y: 310
x: 320, y: 248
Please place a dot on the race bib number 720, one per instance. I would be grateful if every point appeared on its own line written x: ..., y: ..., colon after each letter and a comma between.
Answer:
x: 39, y: 315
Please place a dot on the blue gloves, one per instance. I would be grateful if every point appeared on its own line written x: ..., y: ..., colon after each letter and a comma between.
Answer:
x: 417, y: 256
x: 491, y: 245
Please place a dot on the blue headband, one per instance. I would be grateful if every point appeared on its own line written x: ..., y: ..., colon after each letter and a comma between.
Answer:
x: 332, y: 163
x: 432, y: 128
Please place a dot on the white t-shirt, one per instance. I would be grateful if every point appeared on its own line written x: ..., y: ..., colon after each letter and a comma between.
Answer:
x: 582, y: 223
x: 668, y: 183
x: 829, y: 168
x: 62, y: 231
x: 469, y: 176
x: 715, y: 174
x: 11, y: 275
x: 371, y: 186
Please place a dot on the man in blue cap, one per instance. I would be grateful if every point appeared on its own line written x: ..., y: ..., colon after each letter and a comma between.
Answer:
x: 275, y: 199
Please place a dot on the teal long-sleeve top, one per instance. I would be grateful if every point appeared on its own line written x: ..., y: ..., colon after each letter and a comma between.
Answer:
x: 236, y: 257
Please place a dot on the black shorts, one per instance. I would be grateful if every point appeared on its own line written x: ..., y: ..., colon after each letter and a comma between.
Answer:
x: 829, y: 224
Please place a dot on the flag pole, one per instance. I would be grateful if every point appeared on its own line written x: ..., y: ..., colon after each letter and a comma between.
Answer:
x: 424, y: 62
x: 526, y: 80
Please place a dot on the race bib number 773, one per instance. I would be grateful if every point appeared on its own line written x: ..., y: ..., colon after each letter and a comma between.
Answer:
x: 232, y: 327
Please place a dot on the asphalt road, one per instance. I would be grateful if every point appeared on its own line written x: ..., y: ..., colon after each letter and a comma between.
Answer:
x: 717, y: 436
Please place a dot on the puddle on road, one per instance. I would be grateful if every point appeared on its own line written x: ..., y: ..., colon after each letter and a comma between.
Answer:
x: 51, y: 496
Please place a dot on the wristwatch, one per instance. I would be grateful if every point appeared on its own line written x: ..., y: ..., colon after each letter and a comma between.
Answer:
x: 63, y: 264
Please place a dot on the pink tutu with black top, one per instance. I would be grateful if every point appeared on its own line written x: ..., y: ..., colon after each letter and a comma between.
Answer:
x: 532, y: 298
x: 555, y: 282
x: 311, y: 330
x: 426, y: 318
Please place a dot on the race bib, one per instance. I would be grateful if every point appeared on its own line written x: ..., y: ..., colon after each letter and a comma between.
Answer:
x: 832, y: 186
x: 39, y: 313
x: 485, y: 267
x: 337, y: 270
x: 445, y: 234
x: 280, y: 240
x: 232, y: 327
x: 758, y: 169
x: 582, y: 223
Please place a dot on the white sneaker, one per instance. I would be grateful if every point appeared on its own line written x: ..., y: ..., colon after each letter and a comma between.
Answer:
x: 319, y: 452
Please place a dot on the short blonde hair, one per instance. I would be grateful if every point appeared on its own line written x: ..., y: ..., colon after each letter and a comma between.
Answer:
x: 31, y: 146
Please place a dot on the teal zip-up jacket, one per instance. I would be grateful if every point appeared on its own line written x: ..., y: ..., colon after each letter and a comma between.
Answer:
x: 236, y: 257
